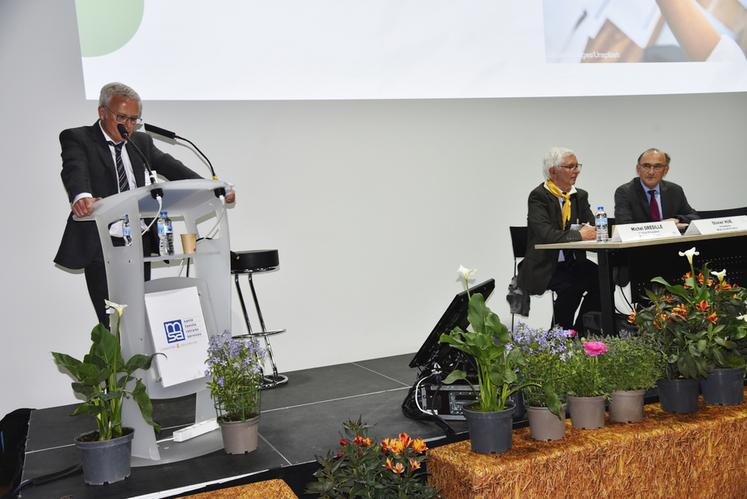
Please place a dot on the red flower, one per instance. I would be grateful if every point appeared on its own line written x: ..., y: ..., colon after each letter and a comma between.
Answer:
x: 712, y: 318
x: 405, y: 439
x: 344, y: 442
x: 703, y: 306
x: 360, y: 441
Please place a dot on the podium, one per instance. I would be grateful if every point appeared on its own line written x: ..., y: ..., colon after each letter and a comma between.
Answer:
x: 195, y: 202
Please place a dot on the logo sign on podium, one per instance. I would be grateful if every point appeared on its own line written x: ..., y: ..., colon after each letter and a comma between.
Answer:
x: 717, y: 225
x: 178, y: 330
x: 646, y: 230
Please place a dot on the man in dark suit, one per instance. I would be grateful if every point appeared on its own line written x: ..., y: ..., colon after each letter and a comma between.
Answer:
x: 97, y: 162
x: 649, y: 198
x: 558, y: 212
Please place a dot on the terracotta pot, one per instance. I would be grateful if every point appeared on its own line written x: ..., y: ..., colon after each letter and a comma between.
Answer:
x: 626, y: 406
x: 489, y: 432
x: 586, y: 412
x: 240, y: 437
x: 544, y: 425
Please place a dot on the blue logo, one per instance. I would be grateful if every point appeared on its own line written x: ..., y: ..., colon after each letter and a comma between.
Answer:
x: 174, y: 331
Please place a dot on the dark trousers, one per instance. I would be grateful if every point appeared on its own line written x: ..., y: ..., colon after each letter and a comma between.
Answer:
x: 98, y: 289
x: 570, y: 282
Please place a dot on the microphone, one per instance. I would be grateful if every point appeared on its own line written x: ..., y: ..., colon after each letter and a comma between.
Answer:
x: 220, y: 191
x: 158, y: 192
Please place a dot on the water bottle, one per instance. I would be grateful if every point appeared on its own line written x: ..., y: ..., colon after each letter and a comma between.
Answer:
x: 601, y: 224
x: 126, y: 230
x: 165, y: 235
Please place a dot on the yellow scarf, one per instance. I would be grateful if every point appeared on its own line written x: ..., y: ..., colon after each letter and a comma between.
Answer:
x: 565, y: 196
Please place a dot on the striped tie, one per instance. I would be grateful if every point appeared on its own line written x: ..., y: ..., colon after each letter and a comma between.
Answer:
x: 124, y: 183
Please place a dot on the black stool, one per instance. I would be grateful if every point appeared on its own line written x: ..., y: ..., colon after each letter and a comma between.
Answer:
x: 249, y: 263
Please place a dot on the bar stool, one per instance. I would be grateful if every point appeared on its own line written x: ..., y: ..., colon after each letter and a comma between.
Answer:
x: 249, y: 263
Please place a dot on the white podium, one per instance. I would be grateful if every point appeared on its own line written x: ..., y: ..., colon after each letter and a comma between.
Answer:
x: 195, y: 202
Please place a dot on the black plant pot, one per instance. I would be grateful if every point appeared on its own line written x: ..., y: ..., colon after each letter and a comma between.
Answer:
x: 489, y: 432
x: 105, y: 461
x: 678, y: 395
x: 724, y: 386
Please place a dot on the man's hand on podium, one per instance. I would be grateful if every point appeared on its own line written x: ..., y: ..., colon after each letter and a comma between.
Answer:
x: 84, y: 206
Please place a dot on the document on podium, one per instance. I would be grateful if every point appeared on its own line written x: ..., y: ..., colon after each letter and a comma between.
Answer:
x: 177, y: 326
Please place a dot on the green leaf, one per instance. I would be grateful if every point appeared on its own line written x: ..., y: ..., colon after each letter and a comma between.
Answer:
x: 143, y: 401
x: 138, y: 361
x: 455, y: 375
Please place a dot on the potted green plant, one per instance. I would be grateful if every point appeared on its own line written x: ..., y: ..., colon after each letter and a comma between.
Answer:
x: 362, y: 467
x: 546, y: 353
x: 104, y: 380
x: 235, y: 371
x: 697, y: 325
x: 587, y: 386
x: 634, y: 364
x: 488, y: 342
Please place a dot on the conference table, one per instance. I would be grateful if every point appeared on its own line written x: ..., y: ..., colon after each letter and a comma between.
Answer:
x: 652, y: 257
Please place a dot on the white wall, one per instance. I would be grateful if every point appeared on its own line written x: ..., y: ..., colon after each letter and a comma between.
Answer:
x: 373, y: 205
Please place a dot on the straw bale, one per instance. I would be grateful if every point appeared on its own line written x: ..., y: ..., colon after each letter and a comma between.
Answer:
x: 666, y: 455
x: 275, y: 489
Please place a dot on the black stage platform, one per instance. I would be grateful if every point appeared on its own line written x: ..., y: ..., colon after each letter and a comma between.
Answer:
x: 299, y: 421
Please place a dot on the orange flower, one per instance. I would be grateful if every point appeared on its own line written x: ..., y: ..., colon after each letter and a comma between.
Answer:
x: 701, y: 278
x: 712, y: 318
x: 703, y: 306
x: 680, y: 310
x: 631, y: 317
x: 723, y: 285
x: 397, y: 446
x: 397, y: 468
x: 668, y: 298
x: 414, y: 464
x: 405, y: 439
x: 360, y: 441
x: 419, y: 446
x: 710, y: 282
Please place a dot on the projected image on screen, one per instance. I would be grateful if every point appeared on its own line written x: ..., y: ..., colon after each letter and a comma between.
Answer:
x: 415, y: 49
x: 592, y: 31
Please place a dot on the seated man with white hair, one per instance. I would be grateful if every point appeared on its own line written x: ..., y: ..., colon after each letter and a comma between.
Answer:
x: 558, y: 212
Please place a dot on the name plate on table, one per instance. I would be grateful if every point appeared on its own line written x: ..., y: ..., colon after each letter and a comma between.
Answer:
x: 646, y: 230
x: 717, y: 225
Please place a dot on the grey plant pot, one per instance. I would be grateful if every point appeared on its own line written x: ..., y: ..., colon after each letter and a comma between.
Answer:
x: 240, y: 437
x: 489, y: 432
x: 724, y: 386
x: 626, y: 406
x: 105, y: 461
x: 587, y: 413
x: 544, y: 425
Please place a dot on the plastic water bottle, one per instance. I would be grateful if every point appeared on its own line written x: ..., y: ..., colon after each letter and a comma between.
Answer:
x: 165, y: 235
x: 600, y: 221
x: 126, y: 230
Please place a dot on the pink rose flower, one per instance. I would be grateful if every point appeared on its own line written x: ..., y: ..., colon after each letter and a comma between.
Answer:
x: 571, y: 333
x: 595, y: 348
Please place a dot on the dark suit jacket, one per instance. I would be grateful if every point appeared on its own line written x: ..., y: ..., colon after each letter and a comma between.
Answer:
x: 544, y: 226
x: 632, y: 203
x: 87, y: 166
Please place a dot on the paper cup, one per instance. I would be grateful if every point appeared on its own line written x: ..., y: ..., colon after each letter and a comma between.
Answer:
x: 189, y: 243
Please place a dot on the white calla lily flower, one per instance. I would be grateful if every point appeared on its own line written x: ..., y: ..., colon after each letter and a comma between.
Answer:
x: 466, y: 273
x: 719, y: 275
x: 118, y: 309
x: 689, y: 254
x: 742, y: 317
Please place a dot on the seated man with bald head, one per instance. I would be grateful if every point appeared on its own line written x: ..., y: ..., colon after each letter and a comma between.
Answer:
x: 650, y: 198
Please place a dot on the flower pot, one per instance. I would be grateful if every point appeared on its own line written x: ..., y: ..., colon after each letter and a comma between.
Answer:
x: 586, y: 412
x: 544, y: 425
x: 105, y: 461
x: 489, y: 432
x: 239, y: 437
x: 678, y: 395
x: 626, y: 406
x: 724, y: 386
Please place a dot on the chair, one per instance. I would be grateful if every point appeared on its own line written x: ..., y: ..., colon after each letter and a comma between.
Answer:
x: 250, y: 263
x: 519, y: 245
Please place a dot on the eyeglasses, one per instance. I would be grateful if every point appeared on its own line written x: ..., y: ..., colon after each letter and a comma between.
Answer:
x: 136, y: 121
x: 656, y: 166
x: 575, y: 166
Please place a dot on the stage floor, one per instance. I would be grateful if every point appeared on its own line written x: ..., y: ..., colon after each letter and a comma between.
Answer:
x: 300, y: 420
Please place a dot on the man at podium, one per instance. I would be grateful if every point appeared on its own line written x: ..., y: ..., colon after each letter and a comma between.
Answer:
x: 650, y: 198
x: 98, y: 162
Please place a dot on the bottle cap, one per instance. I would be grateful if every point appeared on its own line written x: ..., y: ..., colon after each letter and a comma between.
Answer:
x: 163, y: 213
x: 600, y: 208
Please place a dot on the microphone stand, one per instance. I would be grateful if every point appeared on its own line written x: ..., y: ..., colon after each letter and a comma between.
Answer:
x: 156, y: 192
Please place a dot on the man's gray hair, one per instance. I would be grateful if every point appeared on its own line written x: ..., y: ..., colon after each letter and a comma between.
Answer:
x: 554, y: 157
x: 116, y: 89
